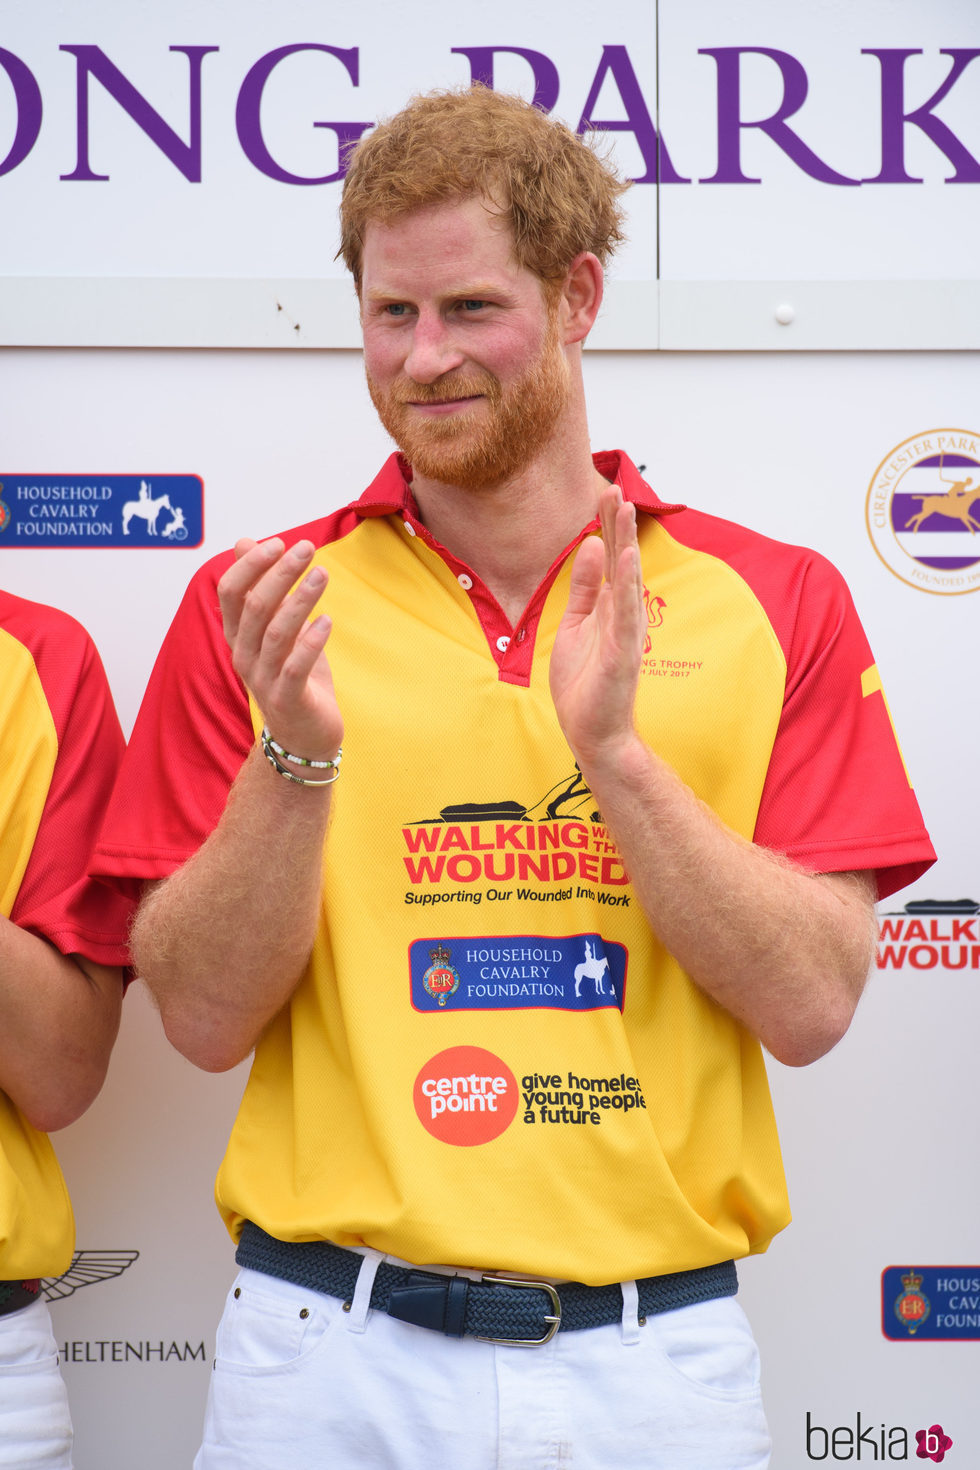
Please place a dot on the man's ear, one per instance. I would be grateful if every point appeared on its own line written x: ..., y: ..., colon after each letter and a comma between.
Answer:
x: 581, y: 297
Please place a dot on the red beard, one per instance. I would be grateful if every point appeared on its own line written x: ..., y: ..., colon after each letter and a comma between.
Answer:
x: 487, y: 444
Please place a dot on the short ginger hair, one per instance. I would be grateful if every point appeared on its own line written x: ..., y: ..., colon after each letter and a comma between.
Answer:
x: 558, y: 195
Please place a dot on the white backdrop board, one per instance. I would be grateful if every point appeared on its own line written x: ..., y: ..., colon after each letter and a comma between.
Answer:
x: 174, y: 181
x: 729, y: 408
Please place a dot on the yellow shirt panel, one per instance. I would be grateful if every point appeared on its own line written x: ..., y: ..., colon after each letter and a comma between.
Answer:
x: 601, y: 1118
x: 36, y: 1223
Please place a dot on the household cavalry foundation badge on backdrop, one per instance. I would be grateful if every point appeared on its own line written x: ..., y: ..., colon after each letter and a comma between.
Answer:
x: 912, y: 1307
x: 440, y: 979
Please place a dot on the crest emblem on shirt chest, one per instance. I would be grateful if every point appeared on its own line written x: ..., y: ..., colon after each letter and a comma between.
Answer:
x: 654, y: 608
x: 440, y: 979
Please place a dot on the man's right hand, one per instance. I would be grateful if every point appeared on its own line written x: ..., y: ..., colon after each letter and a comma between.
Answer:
x: 221, y: 947
x: 277, y: 649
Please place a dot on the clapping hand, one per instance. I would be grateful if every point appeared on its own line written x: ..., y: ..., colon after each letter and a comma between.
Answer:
x: 595, y: 662
x: 277, y: 649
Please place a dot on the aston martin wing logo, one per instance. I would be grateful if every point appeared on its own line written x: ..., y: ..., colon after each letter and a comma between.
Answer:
x: 87, y: 1267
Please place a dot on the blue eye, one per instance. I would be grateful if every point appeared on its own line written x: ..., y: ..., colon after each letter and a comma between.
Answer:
x: 473, y: 305
x: 396, y: 308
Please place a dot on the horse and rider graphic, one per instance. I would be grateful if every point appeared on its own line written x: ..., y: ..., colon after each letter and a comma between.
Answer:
x: 592, y: 968
x: 955, y: 503
x: 147, y: 508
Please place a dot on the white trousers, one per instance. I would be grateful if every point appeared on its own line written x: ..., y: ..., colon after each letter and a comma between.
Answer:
x: 35, y: 1425
x: 300, y: 1384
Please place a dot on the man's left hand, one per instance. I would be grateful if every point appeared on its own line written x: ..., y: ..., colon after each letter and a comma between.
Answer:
x: 595, y: 662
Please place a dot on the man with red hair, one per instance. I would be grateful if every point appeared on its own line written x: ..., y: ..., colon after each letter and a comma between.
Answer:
x: 507, y: 970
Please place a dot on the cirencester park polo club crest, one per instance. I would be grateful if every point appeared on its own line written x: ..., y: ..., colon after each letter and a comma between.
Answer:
x: 923, y: 511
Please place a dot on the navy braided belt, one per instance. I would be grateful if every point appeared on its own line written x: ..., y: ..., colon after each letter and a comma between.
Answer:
x: 494, y: 1309
x: 17, y: 1294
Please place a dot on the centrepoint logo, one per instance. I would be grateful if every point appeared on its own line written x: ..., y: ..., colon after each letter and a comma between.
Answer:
x: 466, y: 1095
x: 923, y: 511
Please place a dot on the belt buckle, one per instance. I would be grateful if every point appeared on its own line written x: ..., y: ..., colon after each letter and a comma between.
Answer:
x: 555, y: 1319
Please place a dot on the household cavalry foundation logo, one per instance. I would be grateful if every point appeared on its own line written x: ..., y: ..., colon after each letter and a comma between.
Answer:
x: 930, y: 1303
x: 912, y: 1307
x: 923, y: 511
x: 440, y: 979
x: 78, y: 510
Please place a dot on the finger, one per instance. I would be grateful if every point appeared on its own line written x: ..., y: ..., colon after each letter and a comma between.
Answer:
x: 266, y: 594
x: 287, y: 625
x: 621, y: 533
x: 626, y: 537
x: 628, y: 593
x: 307, y: 649
x: 628, y: 611
x: 586, y: 581
x: 252, y: 560
x: 301, y: 706
x: 625, y: 523
x: 607, y: 515
x: 298, y: 664
x: 610, y: 505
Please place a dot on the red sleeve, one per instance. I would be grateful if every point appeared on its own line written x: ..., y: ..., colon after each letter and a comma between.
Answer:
x: 191, y: 736
x: 56, y: 899
x: 194, y: 728
x: 837, y: 795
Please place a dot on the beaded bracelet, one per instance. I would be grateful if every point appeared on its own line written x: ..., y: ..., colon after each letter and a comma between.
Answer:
x: 269, y: 748
x: 297, y: 760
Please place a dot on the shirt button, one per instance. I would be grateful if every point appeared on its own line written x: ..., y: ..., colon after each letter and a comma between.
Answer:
x: 464, y: 581
x: 409, y: 527
x: 503, y: 643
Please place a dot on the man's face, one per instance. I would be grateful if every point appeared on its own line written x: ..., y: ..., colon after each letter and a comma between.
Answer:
x: 462, y: 352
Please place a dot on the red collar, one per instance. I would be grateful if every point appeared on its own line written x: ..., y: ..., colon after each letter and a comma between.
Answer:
x: 390, y: 491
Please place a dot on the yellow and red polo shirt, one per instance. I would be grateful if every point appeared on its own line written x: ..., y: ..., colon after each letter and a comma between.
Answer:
x: 491, y: 1061
x: 60, y: 745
